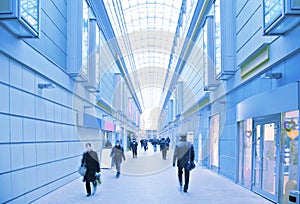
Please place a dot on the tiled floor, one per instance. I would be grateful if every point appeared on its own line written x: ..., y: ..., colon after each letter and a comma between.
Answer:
x: 152, y: 180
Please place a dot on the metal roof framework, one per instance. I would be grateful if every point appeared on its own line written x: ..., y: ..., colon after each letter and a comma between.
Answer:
x: 150, y: 35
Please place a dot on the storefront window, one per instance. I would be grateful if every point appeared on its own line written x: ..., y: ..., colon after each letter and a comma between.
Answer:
x: 245, y: 153
x: 289, y: 146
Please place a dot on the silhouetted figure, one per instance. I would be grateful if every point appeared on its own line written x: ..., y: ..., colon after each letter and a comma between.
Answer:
x: 154, y: 142
x: 108, y: 144
x: 145, y: 144
x: 183, y: 152
x: 168, y: 142
x: 117, y: 154
x: 163, y: 148
x: 91, y: 161
x: 134, y: 144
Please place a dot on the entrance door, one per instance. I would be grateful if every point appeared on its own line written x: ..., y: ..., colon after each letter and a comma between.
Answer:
x: 266, y: 137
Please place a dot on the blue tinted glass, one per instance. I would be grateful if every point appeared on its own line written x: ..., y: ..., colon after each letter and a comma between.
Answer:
x: 85, y: 39
x: 272, y: 10
x: 29, y: 10
x: 217, y: 38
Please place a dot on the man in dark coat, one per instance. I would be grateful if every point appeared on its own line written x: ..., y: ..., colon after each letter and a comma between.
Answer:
x: 163, y: 147
x: 184, y: 152
x: 145, y: 144
x: 134, y: 144
x: 91, y: 161
x: 117, y: 153
x: 154, y: 143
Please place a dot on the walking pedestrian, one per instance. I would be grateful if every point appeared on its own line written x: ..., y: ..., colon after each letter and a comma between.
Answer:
x: 145, y: 144
x: 91, y: 161
x: 117, y: 154
x: 163, y: 148
x: 184, y: 152
x: 154, y: 143
x: 134, y: 144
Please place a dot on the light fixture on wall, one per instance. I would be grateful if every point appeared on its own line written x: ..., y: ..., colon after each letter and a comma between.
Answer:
x: 46, y: 86
x: 271, y: 76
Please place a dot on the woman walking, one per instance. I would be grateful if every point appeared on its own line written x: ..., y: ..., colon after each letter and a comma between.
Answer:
x: 91, y: 161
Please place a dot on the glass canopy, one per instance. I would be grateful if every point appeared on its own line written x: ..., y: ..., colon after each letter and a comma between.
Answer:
x: 150, y: 34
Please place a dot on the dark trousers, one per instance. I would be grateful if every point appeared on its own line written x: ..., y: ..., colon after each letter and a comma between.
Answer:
x: 164, y: 153
x: 88, y: 186
x: 118, y: 167
x: 186, y: 177
x: 134, y: 153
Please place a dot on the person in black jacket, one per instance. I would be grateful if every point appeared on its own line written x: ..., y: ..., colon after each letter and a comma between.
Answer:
x: 91, y: 161
x: 163, y: 147
x: 134, y: 144
x: 184, y: 152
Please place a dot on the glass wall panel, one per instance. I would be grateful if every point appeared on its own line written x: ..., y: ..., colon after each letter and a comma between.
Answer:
x: 97, y: 71
x: 205, y: 53
x: 245, y: 153
x: 214, y: 141
x: 85, y: 39
x: 217, y: 37
x: 29, y: 10
x: 269, y: 158
x: 257, y: 154
x: 295, y: 4
x: 272, y: 10
x: 289, y: 148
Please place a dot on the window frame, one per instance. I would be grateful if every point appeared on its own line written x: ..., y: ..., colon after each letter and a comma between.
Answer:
x: 286, y: 21
x: 18, y: 24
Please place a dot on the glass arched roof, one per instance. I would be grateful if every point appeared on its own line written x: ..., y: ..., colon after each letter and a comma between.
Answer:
x: 148, y: 33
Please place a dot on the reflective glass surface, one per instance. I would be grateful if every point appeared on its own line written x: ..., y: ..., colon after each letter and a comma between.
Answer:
x: 272, y: 10
x: 217, y: 38
x: 29, y: 10
x: 85, y: 39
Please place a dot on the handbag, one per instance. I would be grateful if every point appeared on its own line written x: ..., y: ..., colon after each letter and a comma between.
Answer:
x: 191, y: 165
x: 82, y: 169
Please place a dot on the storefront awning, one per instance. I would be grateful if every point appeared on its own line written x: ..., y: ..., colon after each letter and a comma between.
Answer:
x: 108, y: 126
x: 91, y: 121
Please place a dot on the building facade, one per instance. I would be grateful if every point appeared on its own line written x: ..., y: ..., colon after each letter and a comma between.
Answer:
x: 246, y: 100
x: 56, y: 94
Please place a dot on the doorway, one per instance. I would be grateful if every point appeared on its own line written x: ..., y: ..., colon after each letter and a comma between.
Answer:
x: 266, y: 156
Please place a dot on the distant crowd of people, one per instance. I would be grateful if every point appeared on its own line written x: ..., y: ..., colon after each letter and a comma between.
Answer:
x: 163, y: 143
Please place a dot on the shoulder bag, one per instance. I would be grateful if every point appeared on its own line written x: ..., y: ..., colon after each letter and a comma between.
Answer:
x: 82, y: 169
